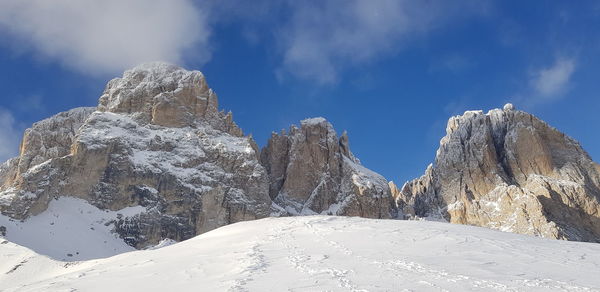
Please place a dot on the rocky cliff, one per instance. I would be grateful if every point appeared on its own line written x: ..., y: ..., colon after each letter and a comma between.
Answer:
x: 508, y: 170
x: 157, y: 140
x: 312, y: 171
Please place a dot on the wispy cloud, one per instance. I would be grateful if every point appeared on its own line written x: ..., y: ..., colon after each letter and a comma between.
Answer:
x: 324, y: 37
x: 318, y: 40
x: 109, y: 35
x: 550, y: 82
x: 9, y: 135
x: 546, y: 83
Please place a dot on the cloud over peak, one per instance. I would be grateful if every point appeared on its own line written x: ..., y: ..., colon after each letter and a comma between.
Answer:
x: 552, y: 81
x: 106, y: 36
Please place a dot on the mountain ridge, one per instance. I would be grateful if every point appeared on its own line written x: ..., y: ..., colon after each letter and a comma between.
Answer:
x: 158, y: 141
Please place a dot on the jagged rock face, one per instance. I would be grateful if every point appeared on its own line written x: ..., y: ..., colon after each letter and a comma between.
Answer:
x: 165, y: 95
x: 509, y: 170
x: 157, y: 140
x: 46, y: 139
x: 314, y: 172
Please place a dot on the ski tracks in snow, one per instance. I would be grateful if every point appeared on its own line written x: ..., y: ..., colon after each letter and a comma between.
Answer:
x: 307, y: 247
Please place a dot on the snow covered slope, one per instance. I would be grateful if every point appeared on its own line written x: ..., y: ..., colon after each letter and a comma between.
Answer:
x: 317, y: 253
x: 70, y: 229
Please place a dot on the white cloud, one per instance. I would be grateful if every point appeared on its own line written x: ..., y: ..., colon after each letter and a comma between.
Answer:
x: 552, y: 81
x: 325, y: 37
x: 317, y: 40
x: 109, y: 35
x: 10, y: 136
x: 547, y: 83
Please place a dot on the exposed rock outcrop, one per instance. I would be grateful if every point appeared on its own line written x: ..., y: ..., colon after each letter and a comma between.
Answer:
x: 156, y: 139
x: 508, y: 170
x: 46, y: 139
x: 312, y: 171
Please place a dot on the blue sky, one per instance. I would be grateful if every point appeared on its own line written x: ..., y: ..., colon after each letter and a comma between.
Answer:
x: 389, y: 72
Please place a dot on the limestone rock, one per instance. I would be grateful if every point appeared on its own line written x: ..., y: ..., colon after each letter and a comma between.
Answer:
x: 165, y: 95
x: 157, y: 140
x: 312, y: 171
x: 508, y: 170
x: 47, y: 139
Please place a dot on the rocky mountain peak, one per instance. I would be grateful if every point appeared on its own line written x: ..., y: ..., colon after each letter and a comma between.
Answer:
x: 312, y: 171
x: 161, y: 94
x: 158, y: 155
x: 157, y: 142
x: 509, y: 170
x: 497, y: 116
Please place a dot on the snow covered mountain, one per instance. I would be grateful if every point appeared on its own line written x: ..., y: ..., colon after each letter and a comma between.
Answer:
x: 155, y: 141
x: 323, y: 253
x: 157, y: 160
x: 508, y: 170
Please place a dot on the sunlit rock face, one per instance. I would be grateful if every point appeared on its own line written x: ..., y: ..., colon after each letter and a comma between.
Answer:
x: 508, y: 170
x: 157, y: 140
x: 312, y: 171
